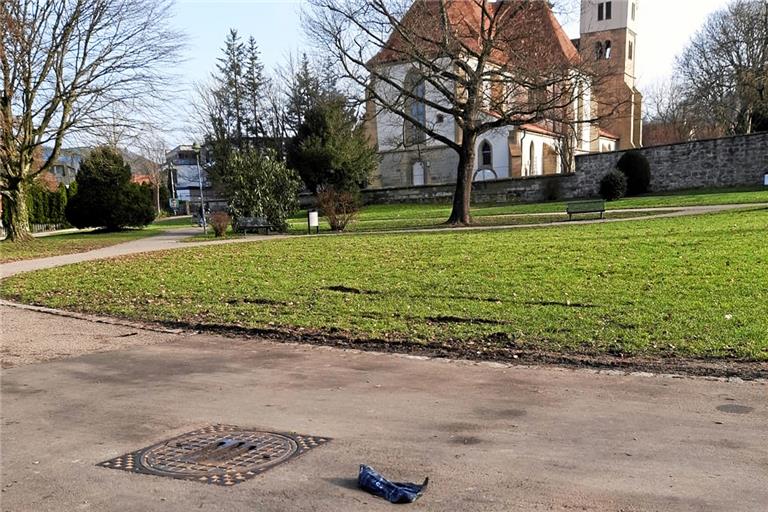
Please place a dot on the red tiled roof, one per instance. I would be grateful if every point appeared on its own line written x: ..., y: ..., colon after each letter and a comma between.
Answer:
x: 534, y: 128
x: 142, y: 179
x: 528, y: 36
x: 608, y: 135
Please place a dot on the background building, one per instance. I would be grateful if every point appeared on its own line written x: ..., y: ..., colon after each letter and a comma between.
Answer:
x: 608, y: 35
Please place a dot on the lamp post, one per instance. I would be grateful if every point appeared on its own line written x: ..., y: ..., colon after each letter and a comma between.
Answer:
x: 196, y: 149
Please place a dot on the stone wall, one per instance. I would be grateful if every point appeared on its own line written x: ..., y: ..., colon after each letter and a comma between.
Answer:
x: 396, y: 167
x: 739, y: 161
x: 524, y: 190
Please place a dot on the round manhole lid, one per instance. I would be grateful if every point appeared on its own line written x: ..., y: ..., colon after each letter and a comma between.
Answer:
x: 219, y: 454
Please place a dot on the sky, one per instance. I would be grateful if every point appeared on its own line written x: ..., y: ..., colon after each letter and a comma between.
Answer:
x: 665, y: 28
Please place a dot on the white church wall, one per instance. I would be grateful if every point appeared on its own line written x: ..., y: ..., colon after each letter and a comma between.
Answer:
x: 538, y: 141
x: 390, y: 126
x: 499, y: 140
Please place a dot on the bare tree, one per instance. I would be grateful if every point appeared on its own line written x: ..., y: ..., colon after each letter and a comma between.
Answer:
x: 67, y: 67
x: 724, y: 68
x: 485, y: 64
x: 153, y: 148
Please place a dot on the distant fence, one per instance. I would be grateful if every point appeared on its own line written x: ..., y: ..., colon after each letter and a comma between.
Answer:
x: 41, y: 228
x: 38, y: 228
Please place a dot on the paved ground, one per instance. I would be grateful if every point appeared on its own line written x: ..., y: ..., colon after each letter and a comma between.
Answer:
x: 170, y: 239
x: 490, y: 437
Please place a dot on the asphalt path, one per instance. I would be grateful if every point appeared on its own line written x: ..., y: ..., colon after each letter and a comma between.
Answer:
x: 490, y: 437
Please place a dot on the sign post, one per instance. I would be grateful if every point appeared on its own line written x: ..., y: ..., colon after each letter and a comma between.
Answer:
x: 313, y: 221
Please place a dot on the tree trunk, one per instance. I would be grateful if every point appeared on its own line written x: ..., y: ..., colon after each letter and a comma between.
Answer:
x: 18, y: 215
x: 462, y: 196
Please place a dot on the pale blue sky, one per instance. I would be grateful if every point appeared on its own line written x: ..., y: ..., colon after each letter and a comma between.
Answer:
x: 665, y: 27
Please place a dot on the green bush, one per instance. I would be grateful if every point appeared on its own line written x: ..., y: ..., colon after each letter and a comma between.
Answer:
x: 637, y: 170
x: 613, y: 186
x: 258, y: 184
x: 552, y: 191
x: 105, y: 195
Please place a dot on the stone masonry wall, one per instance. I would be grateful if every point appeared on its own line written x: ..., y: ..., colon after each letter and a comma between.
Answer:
x: 739, y: 161
x: 508, y: 190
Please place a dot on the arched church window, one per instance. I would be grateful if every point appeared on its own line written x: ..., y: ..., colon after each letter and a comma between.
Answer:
x: 607, y: 49
x: 485, y: 175
x: 598, y: 50
x: 486, y: 154
x: 413, y: 132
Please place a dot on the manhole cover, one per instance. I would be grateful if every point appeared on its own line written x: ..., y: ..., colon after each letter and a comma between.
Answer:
x: 219, y: 454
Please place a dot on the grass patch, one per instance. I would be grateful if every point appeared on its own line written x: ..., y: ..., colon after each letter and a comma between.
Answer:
x: 71, y: 243
x: 173, y: 222
x: 210, y: 236
x: 406, y: 216
x: 688, y: 286
x: 368, y: 225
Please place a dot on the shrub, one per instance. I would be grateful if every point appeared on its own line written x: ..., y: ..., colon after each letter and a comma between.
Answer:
x: 105, y: 195
x: 338, y: 207
x: 219, y: 222
x: 613, y: 186
x: 637, y: 170
x: 258, y: 184
x: 552, y: 190
x: 138, y: 207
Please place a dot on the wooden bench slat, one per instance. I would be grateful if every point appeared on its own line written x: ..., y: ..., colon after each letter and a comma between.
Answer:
x: 597, y: 206
x: 243, y: 224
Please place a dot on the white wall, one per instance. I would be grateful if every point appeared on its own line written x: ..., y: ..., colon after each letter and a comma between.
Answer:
x: 606, y: 144
x: 390, y: 126
x: 499, y: 140
x: 539, y: 141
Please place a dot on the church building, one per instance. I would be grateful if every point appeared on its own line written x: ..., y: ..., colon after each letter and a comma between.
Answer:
x: 608, y: 30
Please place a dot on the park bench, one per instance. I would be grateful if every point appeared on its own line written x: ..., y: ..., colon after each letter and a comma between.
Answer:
x: 257, y: 224
x: 594, y: 206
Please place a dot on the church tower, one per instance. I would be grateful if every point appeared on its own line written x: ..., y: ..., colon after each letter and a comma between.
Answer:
x: 609, y: 38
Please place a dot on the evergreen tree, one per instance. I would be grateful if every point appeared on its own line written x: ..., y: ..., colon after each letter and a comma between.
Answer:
x: 253, y: 85
x: 331, y: 148
x: 230, y: 87
x: 245, y: 170
x: 305, y: 92
x: 106, y: 197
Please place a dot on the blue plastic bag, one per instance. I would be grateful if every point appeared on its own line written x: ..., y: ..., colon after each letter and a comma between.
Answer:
x: 394, y: 492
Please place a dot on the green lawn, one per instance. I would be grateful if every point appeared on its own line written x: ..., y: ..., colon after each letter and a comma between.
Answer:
x: 407, y: 216
x: 690, y: 286
x: 299, y: 227
x: 70, y: 243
